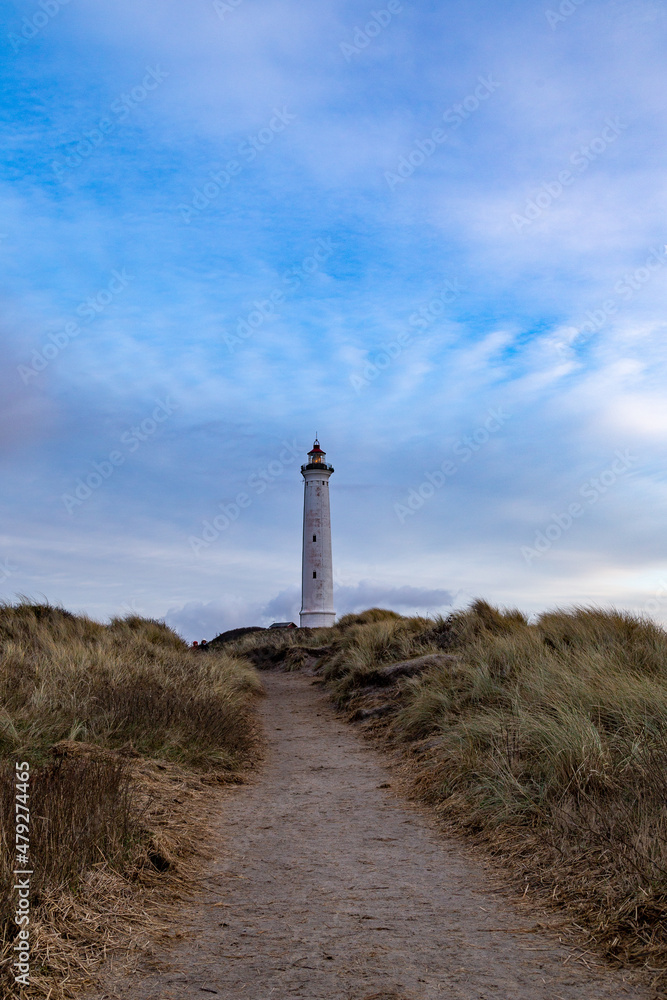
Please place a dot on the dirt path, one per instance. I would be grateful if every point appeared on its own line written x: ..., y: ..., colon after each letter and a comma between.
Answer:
x: 329, y: 887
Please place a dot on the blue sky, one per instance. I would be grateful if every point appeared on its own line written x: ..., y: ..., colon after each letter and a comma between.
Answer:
x: 434, y: 234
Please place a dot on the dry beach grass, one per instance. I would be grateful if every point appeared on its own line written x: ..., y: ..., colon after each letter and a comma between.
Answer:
x: 125, y: 730
x: 544, y: 743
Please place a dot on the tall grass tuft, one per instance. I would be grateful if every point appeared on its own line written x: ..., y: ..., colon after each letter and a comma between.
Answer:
x: 361, y: 646
x: 132, y: 683
x: 110, y: 719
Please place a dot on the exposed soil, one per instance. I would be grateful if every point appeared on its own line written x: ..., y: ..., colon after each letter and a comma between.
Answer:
x: 328, y: 885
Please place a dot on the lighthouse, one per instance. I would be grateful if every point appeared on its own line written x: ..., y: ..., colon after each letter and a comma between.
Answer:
x: 317, y: 610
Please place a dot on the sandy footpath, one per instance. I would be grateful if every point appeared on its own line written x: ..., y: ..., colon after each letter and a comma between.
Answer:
x: 327, y: 886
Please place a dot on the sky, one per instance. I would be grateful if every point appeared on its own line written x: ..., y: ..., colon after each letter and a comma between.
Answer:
x: 433, y: 234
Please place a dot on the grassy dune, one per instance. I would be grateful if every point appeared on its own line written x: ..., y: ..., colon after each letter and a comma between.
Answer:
x: 544, y: 742
x: 123, y: 726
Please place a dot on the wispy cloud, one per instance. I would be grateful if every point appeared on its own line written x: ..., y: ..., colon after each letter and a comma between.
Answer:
x: 433, y: 310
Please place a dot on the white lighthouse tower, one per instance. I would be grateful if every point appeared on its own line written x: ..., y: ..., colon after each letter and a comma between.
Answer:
x: 317, y: 610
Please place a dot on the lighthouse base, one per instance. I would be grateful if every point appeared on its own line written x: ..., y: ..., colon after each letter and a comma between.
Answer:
x: 317, y: 619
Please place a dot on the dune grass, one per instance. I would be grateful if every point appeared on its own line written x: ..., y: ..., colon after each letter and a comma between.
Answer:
x: 111, y: 718
x: 546, y: 742
x: 133, y: 682
x: 557, y: 729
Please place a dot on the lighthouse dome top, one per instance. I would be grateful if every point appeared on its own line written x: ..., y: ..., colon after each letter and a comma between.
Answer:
x: 316, y: 459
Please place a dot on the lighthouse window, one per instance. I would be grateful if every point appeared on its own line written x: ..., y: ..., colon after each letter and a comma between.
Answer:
x: 314, y: 538
x: 314, y: 575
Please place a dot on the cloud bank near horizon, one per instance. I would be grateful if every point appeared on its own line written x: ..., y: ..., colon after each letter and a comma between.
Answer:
x: 198, y: 620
